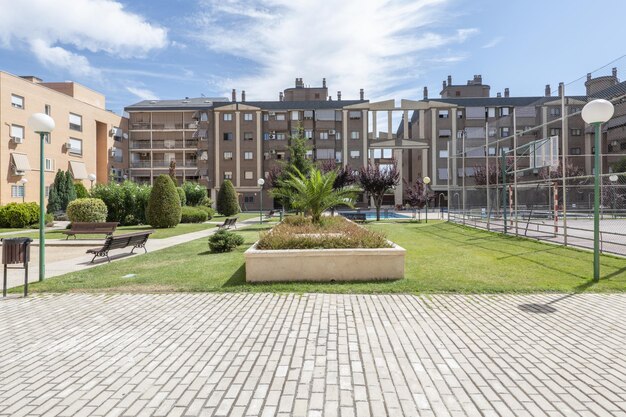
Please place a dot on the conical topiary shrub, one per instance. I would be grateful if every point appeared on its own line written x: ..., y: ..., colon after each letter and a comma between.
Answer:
x: 163, y: 208
x: 227, y: 204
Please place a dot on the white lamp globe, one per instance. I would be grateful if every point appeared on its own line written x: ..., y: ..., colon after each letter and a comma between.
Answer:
x: 597, y: 111
x: 92, y: 177
x: 613, y: 178
x: 260, y: 182
x: 426, y: 180
x: 23, y: 180
x: 41, y: 123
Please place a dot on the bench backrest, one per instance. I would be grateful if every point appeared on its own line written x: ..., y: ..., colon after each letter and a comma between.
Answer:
x: 122, y: 241
x: 94, y: 226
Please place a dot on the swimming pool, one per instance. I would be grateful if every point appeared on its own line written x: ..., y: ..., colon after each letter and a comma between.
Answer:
x: 371, y: 215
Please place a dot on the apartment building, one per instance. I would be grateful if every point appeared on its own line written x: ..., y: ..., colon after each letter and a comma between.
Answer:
x: 213, y: 139
x: 88, y: 139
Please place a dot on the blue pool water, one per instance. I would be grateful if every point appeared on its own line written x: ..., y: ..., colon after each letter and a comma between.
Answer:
x: 371, y: 215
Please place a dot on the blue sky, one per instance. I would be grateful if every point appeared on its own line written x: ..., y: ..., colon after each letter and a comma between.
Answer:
x: 132, y: 50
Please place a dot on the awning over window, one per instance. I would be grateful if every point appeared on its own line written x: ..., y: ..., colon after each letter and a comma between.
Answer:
x: 79, y: 171
x: 20, y: 162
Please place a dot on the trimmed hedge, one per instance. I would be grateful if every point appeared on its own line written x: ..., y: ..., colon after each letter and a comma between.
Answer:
x: 193, y: 215
x: 195, y: 193
x: 224, y: 241
x: 209, y: 211
x: 163, y: 208
x: 227, y: 203
x: 19, y: 215
x: 87, y: 210
x: 181, y: 195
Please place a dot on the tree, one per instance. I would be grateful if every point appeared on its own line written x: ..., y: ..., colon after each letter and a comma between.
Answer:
x: 81, y: 191
x: 70, y: 190
x: 227, y: 202
x: 315, y: 194
x: 195, y: 193
x: 345, y: 174
x: 377, y: 180
x: 620, y: 166
x: 493, y: 172
x: 163, y: 208
x: 416, y: 194
x: 172, y: 171
x: 61, y: 192
x: 551, y: 173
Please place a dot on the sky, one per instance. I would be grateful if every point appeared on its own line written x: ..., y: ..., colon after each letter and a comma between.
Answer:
x: 157, y: 49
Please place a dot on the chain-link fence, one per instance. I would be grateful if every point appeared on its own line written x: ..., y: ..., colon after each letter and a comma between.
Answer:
x: 532, y: 172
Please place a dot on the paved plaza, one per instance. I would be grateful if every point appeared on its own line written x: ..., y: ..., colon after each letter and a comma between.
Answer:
x: 313, y: 355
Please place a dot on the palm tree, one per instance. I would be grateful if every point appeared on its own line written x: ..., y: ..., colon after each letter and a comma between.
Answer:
x: 314, y: 194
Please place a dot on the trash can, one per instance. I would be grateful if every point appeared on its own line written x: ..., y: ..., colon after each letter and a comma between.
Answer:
x: 15, y: 251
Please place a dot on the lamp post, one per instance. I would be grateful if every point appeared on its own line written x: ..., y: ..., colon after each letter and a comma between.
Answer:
x: 426, y: 182
x: 43, y: 124
x: 23, y: 181
x: 613, y: 178
x: 260, y: 183
x: 595, y: 113
x: 92, y: 178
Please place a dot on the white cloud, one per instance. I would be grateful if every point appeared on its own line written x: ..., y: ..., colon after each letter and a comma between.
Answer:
x: 142, y: 93
x: 52, y: 28
x: 376, y: 45
x: 495, y: 41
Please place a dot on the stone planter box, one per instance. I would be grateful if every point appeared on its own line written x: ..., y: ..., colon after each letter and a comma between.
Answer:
x: 324, y: 265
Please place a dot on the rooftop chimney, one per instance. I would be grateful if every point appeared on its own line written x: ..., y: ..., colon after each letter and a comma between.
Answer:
x: 299, y: 83
x: 338, y: 95
x: 243, y: 96
x: 588, y: 76
x: 561, y: 89
x: 330, y: 98
x: 548, y: 92
x: 444, y: 84
x: 234, y: 95
x: 614, y: 72
x: 449, y: 79
x: 280, y: 96
x: 361, y: 94
x: 323, y: 82
x: 425, y: 93
x: 498, y: 94
x: 506, y: 92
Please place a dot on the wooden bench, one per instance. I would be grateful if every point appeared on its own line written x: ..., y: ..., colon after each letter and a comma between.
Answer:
x: 136, y: 240
x: 270, y: 214
x: 91, y: 228
x: 355, y: 217
x: 228, y: 223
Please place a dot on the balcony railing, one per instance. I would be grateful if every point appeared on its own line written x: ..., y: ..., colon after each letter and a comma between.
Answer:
x: 140, y: 144
x: 167, y: 126
x: 164, y: 144
x: 140, y: 164
x: 140, y: 125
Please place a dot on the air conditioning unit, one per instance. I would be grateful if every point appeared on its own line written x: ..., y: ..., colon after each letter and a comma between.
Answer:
x: 331, y: 132
x: 68, y: 145
x: 112, y: 132
x: 113, y: 151
x: 272, y: 135
x: 193, y: 125
x: 17, y: 139
x: 143, y: 153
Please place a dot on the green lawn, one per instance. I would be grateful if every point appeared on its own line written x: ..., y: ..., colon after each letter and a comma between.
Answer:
x: 442, y: 257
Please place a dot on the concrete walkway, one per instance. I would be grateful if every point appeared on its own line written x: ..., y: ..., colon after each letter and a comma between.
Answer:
x: 64, y: 256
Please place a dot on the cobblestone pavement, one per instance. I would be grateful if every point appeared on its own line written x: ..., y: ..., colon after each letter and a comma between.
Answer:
x: 313, y: 355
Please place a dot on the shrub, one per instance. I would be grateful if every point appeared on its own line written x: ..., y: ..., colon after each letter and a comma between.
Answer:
x: 193, y: 215
x: 17, y: 215
x: 181, y: 195
x: 126, y: 202
x: 163, y: 208
x: 224, y: 241
x: 87, y: 210
x: 81, y: 191
x: 61, y: 192
x: 227, y: 204
x: 208, y: 210
x: 195, y: 193
x: 49, y: 221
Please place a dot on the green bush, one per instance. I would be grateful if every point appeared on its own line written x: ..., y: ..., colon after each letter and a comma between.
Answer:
x: 87, y: 210
x: 195, y: 193
x: 19, y: 215
x: 163, y: 208
x: 81, y: 191
x: 227, y: 204
x: 193, y: 215
x: 49, y: 221
x: 126, y: 203
x: 181, y: 195
x: 224, y: 241
x: 208, y: 210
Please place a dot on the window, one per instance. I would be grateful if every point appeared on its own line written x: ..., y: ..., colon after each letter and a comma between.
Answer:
x: 49, y: 165
x: 280, y: 136
x: 324, y: 135
x: 505, y: 131
x: 294, y: 133
x: 47, y: 191
x: 248, y: 155
x: 248, y: 175
x: 492, y: 132
x: 442, y: 173
x: 457, y: 93
x: 325, y: 153
x: 248, y: 136
x: 443, y: 154
x: 445, y: 133
x: 388, y: 153
x: 574, y: 151
x: 76, y: 122
x: 376, y: 153
x: 555, y: 131
x: 47, y: 109
x: 491, y: 112
x: 492, y: 151
x: 459, y: 134
x: 280, y: 116
x: 504, y: 111
x: 555, y: 111
x: 17, y: 101
x: 228, y: 136
x: 228, y: 117
x: 338, y: 136
x: 204, y: 117
x: 573, y: 110
x: 355, y: 154
x: 17, y: 191
x: 266, y: 136
x: 228, y: 155
x: 76, y: 146
x: 308, y: 115
x: 338, y: 156
x: 354, y: 134
x: 47, y: 138
x: 295, y: 115
x: 17, y: 132
x: 266, y: 117
x: 247, y: 117
x: 248, y: 198
x: 576, y: 132
x: 444, y: 114
x: 309, y: 154
x: 308, y: 133
x: 475, y: 113
x: 354, y: 115
x: 459, y: 114
x: 228, y: 175
x: 280, y: 155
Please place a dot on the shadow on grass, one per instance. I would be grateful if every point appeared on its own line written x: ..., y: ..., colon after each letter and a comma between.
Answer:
x: 237, y: 279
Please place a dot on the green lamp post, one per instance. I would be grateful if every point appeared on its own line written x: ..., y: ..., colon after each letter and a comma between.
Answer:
x: 43, y: 124
x: 595, y: 113
x: 426, y: 182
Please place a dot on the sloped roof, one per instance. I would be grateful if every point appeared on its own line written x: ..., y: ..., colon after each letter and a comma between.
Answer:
x: 179, y: 104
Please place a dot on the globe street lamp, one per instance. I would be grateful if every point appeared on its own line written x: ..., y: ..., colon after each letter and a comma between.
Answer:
x: 613, y: 178
x: 43, y: 124
x: 92, y: 178
x: 426, y: 182
x: 260, y: 182
x: 23, y: 181
x: 595, y: 113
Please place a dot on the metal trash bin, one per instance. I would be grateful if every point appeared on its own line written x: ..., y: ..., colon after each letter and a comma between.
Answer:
x: 16, y: 251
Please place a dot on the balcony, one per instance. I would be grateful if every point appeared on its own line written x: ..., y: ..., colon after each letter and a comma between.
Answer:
x: 140, y: 126
x: 167, y: 126
x: 140, y: 164
x: 140, y: 144
x: 190, y: 163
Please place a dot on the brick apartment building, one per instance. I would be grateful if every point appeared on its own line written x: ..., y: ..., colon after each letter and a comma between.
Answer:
x: 88, y: 139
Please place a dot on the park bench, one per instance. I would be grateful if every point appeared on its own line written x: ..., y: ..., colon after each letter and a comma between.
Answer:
x: 136, y: 240
x: 355, y: 217
x: 90, y: 228
x: 228, y: 223
x: 270, y: 214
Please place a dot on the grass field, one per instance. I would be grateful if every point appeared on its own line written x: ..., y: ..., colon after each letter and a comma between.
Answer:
x: 441, y: 257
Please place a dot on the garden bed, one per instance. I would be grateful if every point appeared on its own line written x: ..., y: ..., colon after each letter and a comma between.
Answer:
x: 336, y: 250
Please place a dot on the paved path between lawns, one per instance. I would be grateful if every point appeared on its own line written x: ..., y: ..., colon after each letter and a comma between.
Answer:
x: 69, y: 256
x: 313, y: 355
